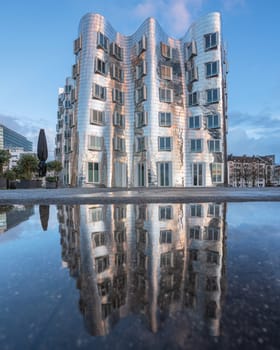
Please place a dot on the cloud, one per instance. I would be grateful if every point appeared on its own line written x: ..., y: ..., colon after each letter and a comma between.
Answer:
x: 231, y: 4
x: 253, y: 134
x: 30, y: 129
x: 172, y: 14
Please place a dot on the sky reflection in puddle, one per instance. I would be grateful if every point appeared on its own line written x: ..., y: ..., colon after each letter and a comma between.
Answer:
x: 164, y: 276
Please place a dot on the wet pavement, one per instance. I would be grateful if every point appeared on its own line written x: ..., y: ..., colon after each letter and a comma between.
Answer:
x: 149, y: 195
x: 177, y: 276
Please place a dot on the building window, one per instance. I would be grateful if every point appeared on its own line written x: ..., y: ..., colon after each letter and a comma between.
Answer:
x: 141, y: 94
x: 212, y: 257
x: 166, y: 95
x: 212, y: 233
x: 213, y: 121
x: 142, y: 45
x: 141, y: 212
x: 214, y: 145
x: 120, y: 236
x: 212, y: 69
x: 119, y: 212
x: 194, y: 232
x: 164, y: 174
x: 67, y: 104
x: 102, y: 41
x: 166, y: 72
x: 164, y: 119
x: 119, y: 120
x: 165, y: 236
x: 164, y: 143
x: 196, y: 145
x: 75, y: 71
x: 191, y: 49
x: 166, y: 259
x: 194, y: 122
x: 77, y: 45
x: 101, y: 263
x: 116, y: 51
x: 96, y: 214
x: 192, y: 74
x: 212, y: 95
x: 141, y: 69
x: 211, y: 309
x: 95, y: 143
x: 196, y: 210
x: 194, y: 99
x: 116, y: 72
x: 99, y: 238
x: 141, y: 144
x: 213, y: 210
x: 216, y: 172
x: 93, y: 172
x: 142, y: 236
x: 211, y: 283
x: 118, y: 96
x: 166, y: 51
x: 165, y: 213
x: 119, y: 144
x: 142, y: 260
x: 104, y: 287
x: 120, y: 259
x: 211, y: 41
x: 100, y: 66
x: 98, y: 92
x: 141, y: 119
x: 97, y: 117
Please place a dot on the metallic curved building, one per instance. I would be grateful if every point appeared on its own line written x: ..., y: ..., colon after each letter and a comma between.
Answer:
x: 146, y: 109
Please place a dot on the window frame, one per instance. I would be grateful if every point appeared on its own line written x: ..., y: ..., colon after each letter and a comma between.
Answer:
x: 102, y: 41
x: 192, y: 122
x: 212, y: 72
x: 214, y: 145
x: 98, y: 181
x: 210, y: 96
x: 196, y: 145
x: 165, y: 143
x: 212, y: 124
x: 211, y: 41
x: 165, y: 119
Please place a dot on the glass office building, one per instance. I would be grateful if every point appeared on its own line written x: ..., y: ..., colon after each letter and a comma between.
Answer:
x: 10, y: 139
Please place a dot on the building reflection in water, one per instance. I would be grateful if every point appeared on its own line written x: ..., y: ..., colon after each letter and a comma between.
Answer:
x: 13, y: 215
x: 157, y: 260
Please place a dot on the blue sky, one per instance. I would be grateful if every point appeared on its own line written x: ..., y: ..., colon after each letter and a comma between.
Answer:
x: 36, y: 56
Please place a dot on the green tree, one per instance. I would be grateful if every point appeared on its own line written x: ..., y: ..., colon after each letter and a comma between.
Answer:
x: 27, y: 166
x: 54, y: 166
x: 4, y: 159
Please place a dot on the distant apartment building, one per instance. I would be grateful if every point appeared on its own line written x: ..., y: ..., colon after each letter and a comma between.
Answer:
x: 160, y: 261
x: 251, y: 171
x: 16, y: 153
x: 146, y: 109
x: 10, y: 139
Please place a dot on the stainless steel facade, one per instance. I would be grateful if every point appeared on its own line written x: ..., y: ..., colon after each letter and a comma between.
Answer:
x: 148, y: 110
x: 157, y: 260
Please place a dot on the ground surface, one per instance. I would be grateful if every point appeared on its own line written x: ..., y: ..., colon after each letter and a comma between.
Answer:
x: 148, y: 195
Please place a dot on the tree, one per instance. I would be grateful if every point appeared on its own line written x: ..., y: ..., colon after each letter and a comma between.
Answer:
x: 27, y: 166
x: 4, y: 159
x: 54, y: 166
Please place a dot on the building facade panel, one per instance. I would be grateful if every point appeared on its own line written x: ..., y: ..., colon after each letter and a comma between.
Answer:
x: 153, y: 96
